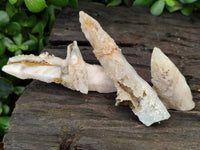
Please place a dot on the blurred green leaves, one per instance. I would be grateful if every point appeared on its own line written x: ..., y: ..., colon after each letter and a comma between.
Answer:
x: 142, y: 2
x: 73, y: 3
x: 157, y: 7
x: 187, y: 10
x: 18, y: 90
x: 4, y: 18
x: 187, y: 1
x: 60, y: 3
x: 12, y: 1
x: 5, y: 87
x: 114, y: 2
x: 12, y: 28
x: 35, y: 6
x: 4, y: 109
x: 175, y: 7
x: 24, y: 28
x: 4, y: 124
x: 186, y: 7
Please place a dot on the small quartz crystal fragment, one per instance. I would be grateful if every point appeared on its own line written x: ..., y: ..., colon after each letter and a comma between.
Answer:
x: 35, y: 67
x: 132, y: 90
x: 71, y: 72
x: 169, y: 83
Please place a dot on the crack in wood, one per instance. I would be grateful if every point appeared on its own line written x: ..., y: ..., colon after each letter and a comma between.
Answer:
x: 85, y: 43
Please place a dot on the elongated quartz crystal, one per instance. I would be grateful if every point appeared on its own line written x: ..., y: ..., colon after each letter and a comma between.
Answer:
x: 71, y: 72
x: 169, y: 83
x: 132, y: 90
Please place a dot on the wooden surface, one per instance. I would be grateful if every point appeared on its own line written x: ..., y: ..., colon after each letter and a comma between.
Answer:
x: 50, y: 117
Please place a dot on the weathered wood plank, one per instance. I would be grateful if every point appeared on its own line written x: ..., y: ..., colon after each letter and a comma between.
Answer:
x: 48, y: 112
x: 134, y: 26
x: 178, y: 36
x: 49, y: 116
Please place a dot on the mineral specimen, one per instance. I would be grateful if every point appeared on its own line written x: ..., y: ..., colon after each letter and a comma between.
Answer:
x: 169, y: 83
x: 71, y: 72
x: 132, y: 90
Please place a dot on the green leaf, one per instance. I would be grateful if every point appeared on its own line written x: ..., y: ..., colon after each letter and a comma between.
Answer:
x: 13, y: 47
x: 23, y: 47
x: 187, y: 1
x: 30, y: 21
x: 98, y: 3
x: 4, y: 124
x: 18, y: 52
x: 114, y: 3
x: 5, y: 87
x: 35, y: 6
x: 32, y: 44
x: 187, y: 10
x: 1, y: 110
x: 41, y: 45
x: 18, y: 39
x: 39, y: 28
x: 24, y: 20
x: 45, y: 18
x: 157, y: 7
x: 177, y: 6
x: 2, y: 36
x: 73, y: 3
x: 170, y: 3
x: 46, y: 40
x: 7, y: 41
x: 19, y: 3
x: 4, y: 18
x: 18, y: 90
x: 32, y: 37
x: 51, y: 13
x: 143, y: 2
x: 5, y: 109
x: 13, y: 28
x: 11, y: 10
x: 12, y: 1
x: 2, y: 48
x: 21, y: 18
x: 3, y: 60
x: 60, y: 3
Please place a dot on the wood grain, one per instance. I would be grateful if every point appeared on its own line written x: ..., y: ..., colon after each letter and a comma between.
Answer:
x: 50, y: 116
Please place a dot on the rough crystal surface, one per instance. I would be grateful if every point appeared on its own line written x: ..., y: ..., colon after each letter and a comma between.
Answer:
x: 169, y: 83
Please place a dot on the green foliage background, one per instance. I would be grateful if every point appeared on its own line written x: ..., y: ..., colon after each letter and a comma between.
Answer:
x: 24, y: 28
x: 186, y: 7
x: 26, y: 24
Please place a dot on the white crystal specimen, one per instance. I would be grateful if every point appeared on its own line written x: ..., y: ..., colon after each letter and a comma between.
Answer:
x: 132, y: 90
x: 41, y: 72
x: 169, y: 83
x: 71, y: 72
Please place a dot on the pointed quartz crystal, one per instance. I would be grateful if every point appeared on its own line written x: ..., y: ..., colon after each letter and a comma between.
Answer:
x: 169, y: 83
x: 132, y: 90
x: 72, y: 72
